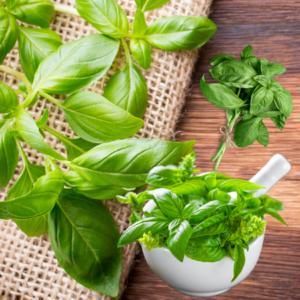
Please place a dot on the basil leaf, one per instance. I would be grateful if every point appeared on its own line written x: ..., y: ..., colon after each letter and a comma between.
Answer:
x: 279, y: 121
x: 141, y: 53
x: 179, y: 33
x: 139, y: 24
x: 34, y: 12
x: 221, y: 58
x: 252, y: 61
x: 217, y: 194
x: 180, y: 232
x: 134, y: 217
x: 128, y: 90
x: 269, y: 111
x: 284, y: 102
x: 34, y: 46
x: 126, y: 163
x: 263, y: 135
x: 8, y: 33
x: 232, y: 185
x: 39, y: 201
x: 192, y: 187
x: 9, y: 155
x: 272, y: 212
x: 239, y: 261
x: 136, y: 231
x: 262, y: 80
x: 30, y: 133
x: 271, y: 69
x: 253, y: 202
x: 146, y: 5
x: 216, y: 174
x: 106, y: 16
x: 235, y: 73
x: 84, y: 237
x: 205, y: 249
x: 247, y: 52
x: 96, y: 119
x: 93, y: 191
x: 162, y: 176
x: 220, y: 95
x: 246, y: 132
x: 271, y: 203
x: 8, y: 99
x: 223, y: 237
x: 210, y: 182
x: 75, y: 65
x: 213, y: 225
x: 188, y: 210
x: 261, y: 98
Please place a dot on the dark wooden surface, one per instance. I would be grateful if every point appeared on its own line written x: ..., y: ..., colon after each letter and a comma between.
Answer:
x: 273, y: 28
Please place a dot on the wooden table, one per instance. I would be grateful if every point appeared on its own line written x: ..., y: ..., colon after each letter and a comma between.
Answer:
x: 272, y: 27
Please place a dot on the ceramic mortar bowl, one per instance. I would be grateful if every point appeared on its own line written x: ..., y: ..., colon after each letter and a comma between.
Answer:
x: 204, y: 279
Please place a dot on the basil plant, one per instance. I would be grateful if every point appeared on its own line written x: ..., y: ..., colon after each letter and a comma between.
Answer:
x: 196, y: 217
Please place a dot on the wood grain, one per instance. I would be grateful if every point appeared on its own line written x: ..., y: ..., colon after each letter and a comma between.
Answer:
x: 272, y: 27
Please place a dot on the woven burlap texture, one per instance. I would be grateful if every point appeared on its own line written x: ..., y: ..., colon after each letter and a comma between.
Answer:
x: 28, y: 267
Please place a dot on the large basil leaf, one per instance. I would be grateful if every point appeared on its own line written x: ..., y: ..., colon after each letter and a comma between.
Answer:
x: 261, y: 98
x: 146, y: 5
x: 272, y: 212
x: 84, y: 237
x: 205, y: 249
x: 284, y: 102
x: 191, y: 187
x: 180, y: 232
x: 128, y: 90
x: 127, y: 163
x: 75, y: 65
x: 9, y: 155
x: 93, y: 191
x: 106, y: 16
x: 271, y: 69
x: 39, y: 201
x: 96, y: 119
x: 34, y: 46
x: 139, y: 24
x: 232, y: 185
x: 8, y: 33
x: 269, y: 111
x: 246, y: 132
x: 263, y: 135
x: 220, y: 95
x: 141, y: 52
x: 235, y: 73
x: 136, y: 231
x: 8, y: 99
x: 239, y: 261
x: 179, y: 33
x: 30, y: 133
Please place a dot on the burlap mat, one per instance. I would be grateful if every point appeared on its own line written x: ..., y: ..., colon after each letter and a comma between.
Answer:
x: 28, y: 267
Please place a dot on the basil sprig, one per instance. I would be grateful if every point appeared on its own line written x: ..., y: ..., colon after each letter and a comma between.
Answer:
x: 199, y: 220
x: 247, y: 90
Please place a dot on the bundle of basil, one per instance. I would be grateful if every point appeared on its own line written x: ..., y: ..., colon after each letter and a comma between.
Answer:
x: 247, y: 90
x: 195, y: 216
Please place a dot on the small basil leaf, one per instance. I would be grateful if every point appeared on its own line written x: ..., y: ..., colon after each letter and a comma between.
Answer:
x: 263, y: 135
x: 216, y: 174
x: 179, y: 33
x: 221, y: 58
x: 271, y: 69
x: 262, y: 80
x: 275, y: 86
x: 128, y: 90
x: 43, y: 120
x: 141, y: 53
x: 239, y: 261
x: 223, y: 237
x: 211, y: 182
x: 84, y: 238
x: 246, y: 132
x: 8, y: 99
x: 252, y: 61
x: 272, y: 212
x: 134, y: 217
x: 188, y: 210
x: 146, y: 5
x: 106, y: 16
x: 247, y: 115
x: 217, y: 194
x: 139, y: 24
x: 261, y: 98
x: 253, y: 202
x: 191, y: 187
x: 232, y: 185
x: 247, y: 52
x: 220, y: 95
x: 279, y: 121
x: 178, y: 238
x: 284, y: 102
x: 271, y: 203
x: 162, y: 176
x: 269, y: 111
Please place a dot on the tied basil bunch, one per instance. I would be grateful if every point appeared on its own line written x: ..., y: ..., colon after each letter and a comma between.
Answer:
x: 196, y: 217
x: 247, y: 90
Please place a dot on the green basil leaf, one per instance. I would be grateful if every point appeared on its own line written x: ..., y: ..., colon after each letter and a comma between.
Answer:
x: 9, y: 154
x: 252, y: 61
x: 93, y: 191
x: 269, y: 111
x: 34, y: 12
x: 246, y: 115
x: 136, y: 231
x: 34, y: 46
x: 179, y: 236
x: 246, y: 132
x: 39, y: 201
x: 84, y: 237
x: 126, y: 163
x: 128, y: 90
x: 191, y: 187
x: 275, y: 86
x: 30, y: 133
x: 263, y: 135
x: 205, y: 249
x: 141, y: 53
x: 223, y: 237
x: 139, y: 24
x: 188, y: 210
x: 220, y: 95
x: 271, y: 69
x: 284, y: 102
x: 106, y: 16
x: 239, y: 261
x: 261, y: 98
x: 253, y: 202
x: 262, y: 80
x: 162, y: 176
x: 146, y: 5
x: 221, y: 58
x: 216, y: 174
x: 211, y: 182
x: 213, y: 225
x: 232, y: 185
x: 134, y: 217
x: 279, y: 121
x: 272, y: 212
x: 235, y: 73
x: 247, y: 52
x: 8, y: 33
x: 96, y: 119
x: 271, y: 203
x: 179, y: 33
x: 8, y: 99
x: 75, y: 65
x: 217, y: 194
x: 43, y: 120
